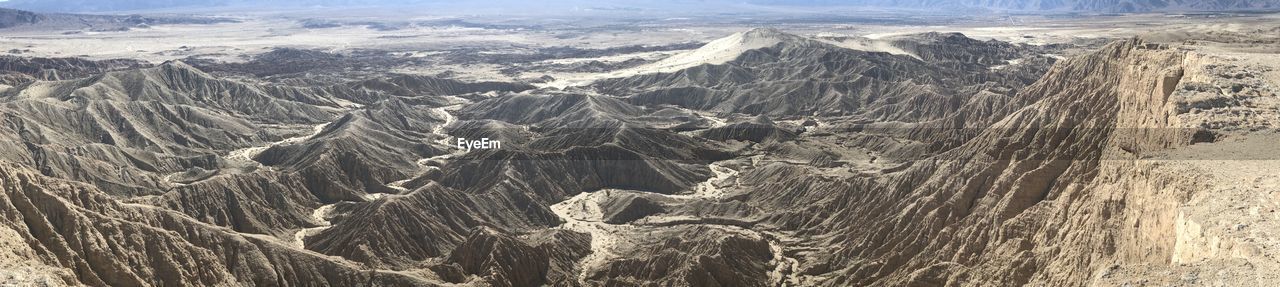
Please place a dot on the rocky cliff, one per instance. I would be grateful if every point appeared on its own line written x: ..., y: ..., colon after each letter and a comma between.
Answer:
x: 791, y: 162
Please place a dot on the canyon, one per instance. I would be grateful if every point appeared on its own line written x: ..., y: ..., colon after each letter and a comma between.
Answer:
x: 803, y: 153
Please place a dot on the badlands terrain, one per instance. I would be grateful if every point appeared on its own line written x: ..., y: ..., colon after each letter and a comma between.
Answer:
x: 878, y: 149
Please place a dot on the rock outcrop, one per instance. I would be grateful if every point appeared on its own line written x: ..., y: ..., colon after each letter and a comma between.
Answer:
x: 1033, y: 199
x: 763, y: 159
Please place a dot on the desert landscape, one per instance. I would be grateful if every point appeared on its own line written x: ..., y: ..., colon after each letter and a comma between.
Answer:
x: 612, y: 143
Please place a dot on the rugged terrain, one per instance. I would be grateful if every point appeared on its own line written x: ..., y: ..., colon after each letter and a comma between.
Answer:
x: 762, y: 157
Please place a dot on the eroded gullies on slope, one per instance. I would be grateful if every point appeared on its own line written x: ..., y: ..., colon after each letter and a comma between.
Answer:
x: 761, y: 159
x: 616, y: 237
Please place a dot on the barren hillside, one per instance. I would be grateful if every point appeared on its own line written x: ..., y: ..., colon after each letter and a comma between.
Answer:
x: 807, y: 154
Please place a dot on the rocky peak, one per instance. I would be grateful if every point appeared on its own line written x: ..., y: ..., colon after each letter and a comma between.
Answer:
x: 11, y: 18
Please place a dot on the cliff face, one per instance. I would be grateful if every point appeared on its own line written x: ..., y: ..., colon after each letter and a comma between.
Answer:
x: 1047, y: 195
x: 794, y: 163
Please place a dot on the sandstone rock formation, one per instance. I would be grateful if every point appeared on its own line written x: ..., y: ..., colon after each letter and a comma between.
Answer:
x: 783, y: 161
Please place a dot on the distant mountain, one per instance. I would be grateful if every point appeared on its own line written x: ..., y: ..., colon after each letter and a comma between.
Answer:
x: 1123, y: 5
x: 18, y: 19
x: 139, y: 5
x: 1108, y: 6
x: 107, y: 5
x: 1103, y: 6
x: 10, y: 18
x: 1047, y: 5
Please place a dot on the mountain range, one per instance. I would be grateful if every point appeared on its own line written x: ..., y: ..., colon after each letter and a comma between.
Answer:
x: 507, y: 6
